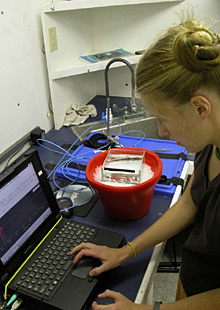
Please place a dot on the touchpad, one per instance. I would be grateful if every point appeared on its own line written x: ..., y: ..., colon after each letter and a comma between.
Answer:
x: 83, y: 267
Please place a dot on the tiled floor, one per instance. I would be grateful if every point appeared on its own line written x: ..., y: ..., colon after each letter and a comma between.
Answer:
x: 165, y: 283
x: 165, y: 287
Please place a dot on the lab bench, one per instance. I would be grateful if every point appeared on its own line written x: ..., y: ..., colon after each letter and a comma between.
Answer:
x: 133, y: 278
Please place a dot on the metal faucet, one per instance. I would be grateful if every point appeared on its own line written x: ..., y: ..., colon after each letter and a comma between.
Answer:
x: 133, y: 102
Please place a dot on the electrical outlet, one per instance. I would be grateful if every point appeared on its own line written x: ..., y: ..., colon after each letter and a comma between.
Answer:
x: 52, y: 38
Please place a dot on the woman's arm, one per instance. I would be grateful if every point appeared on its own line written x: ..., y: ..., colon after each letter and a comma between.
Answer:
x: 209, y: 300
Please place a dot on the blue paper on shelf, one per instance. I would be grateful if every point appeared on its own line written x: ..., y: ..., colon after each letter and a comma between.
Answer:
x: 172, y: 167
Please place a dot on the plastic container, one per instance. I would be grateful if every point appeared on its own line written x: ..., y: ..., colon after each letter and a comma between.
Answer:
x: 125, y: 203
x: 123, y: 165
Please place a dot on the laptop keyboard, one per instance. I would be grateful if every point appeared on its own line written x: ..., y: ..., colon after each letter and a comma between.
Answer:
x: 47, y: 272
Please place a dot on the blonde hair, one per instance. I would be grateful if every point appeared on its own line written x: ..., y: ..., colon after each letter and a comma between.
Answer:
x: 185, y: 59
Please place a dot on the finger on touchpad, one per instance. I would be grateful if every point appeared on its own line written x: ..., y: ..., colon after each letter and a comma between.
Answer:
x: 83, y: 267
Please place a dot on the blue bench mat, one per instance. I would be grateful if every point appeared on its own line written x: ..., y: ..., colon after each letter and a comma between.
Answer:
x: 172, y: 167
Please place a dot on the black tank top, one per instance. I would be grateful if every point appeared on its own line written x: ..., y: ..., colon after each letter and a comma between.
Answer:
x: 200, y: 269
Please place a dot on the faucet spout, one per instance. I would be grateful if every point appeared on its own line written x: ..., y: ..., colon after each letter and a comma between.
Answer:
x: 133, y: 103
x: 132, y: 76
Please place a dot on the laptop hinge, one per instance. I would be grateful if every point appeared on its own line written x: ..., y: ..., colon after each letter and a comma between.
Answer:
x: 57, y: 217
x: 4, y: 278
x: 29, y: 250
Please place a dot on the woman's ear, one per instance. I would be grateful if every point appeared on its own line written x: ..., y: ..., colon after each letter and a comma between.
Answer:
x: 201, y: 104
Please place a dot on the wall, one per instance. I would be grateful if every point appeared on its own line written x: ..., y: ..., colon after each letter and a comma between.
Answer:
x: 24, y: 86
x: 23, y: 81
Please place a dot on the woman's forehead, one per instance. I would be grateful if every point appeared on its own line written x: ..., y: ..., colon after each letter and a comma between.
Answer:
x: 158, y: 106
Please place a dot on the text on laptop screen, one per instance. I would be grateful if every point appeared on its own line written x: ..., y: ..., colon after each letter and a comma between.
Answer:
x: 23, y: 208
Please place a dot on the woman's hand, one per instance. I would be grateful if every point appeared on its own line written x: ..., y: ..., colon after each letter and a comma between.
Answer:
x: 120, y: 302
x: 110, y: 258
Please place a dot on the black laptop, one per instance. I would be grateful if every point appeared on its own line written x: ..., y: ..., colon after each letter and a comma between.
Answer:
x: 35, y: 241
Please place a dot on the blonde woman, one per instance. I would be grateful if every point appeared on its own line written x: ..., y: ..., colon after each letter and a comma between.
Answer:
x: 178, y: 79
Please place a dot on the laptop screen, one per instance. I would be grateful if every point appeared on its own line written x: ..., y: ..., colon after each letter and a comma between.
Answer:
x: 23, y: 208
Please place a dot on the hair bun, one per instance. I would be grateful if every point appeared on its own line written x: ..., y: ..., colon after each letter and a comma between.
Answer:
x: 197, y: 49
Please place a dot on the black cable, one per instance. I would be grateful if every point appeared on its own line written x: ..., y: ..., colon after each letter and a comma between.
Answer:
x: 12, y: 157
x: 98, y: 141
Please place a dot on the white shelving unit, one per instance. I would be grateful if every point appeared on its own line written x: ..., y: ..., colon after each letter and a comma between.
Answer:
x: 88, y: 26
x: 89, y: 4
x: 80, y: 68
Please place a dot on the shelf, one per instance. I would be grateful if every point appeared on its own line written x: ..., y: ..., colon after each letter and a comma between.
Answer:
x: 86, y: 27
x: 89, y: 4
x: 81, y: 67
